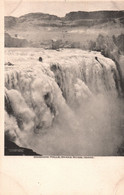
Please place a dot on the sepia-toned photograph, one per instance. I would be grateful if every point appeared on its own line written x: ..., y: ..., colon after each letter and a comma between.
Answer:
x: 64, y: 78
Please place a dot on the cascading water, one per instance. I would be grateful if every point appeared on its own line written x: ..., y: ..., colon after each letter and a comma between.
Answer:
x: 66, y: 105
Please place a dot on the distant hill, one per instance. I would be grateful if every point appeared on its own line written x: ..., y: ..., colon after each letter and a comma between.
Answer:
x: 76, y: 29
x: 94, y: 15
x: 32, y: 19
x: 38, y: 16
x: 79, y: 18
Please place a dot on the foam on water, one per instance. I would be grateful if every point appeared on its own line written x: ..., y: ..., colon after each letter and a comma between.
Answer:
x: 66, y: 105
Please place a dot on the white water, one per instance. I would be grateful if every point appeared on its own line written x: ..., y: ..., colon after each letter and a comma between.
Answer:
x: 66, y: 105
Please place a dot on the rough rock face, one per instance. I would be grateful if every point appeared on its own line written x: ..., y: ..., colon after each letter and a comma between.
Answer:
x: 38, y: 95
x: 12, y: 149
x: 119, y: 41
x: 15, y: 42
x: 94, y: 15
x: 10, y: 21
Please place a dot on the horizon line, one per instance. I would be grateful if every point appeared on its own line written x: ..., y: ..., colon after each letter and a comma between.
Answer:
x: 65, y: 13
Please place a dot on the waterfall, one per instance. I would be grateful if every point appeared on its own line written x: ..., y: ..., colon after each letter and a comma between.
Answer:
x: 67, y: 94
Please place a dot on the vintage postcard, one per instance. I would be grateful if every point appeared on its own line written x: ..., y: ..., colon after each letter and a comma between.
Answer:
x: 64, y: 94
x: 64, y: 74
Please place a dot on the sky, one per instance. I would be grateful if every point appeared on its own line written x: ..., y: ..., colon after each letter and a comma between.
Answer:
x: 59, y: 8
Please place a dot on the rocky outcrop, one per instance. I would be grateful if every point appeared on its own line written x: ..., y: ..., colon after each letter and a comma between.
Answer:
x: 15, y: 42
x: 119, y: 42
x: 95, y: 15
x: 10, y: 21
x: 12, y: 149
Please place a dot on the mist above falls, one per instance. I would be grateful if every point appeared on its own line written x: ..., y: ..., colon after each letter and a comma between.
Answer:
x: 68, y: 104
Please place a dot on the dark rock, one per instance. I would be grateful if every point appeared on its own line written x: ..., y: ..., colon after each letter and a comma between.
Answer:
x: 94, y: 15
x: 12, y: 149
x: 9, y: 64
x: 96, y: 58
x: 120, y: 150
x: 40, y: 59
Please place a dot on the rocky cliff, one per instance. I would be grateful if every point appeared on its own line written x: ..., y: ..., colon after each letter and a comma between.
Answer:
x: 81, y: 19
x: 15, y: 42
